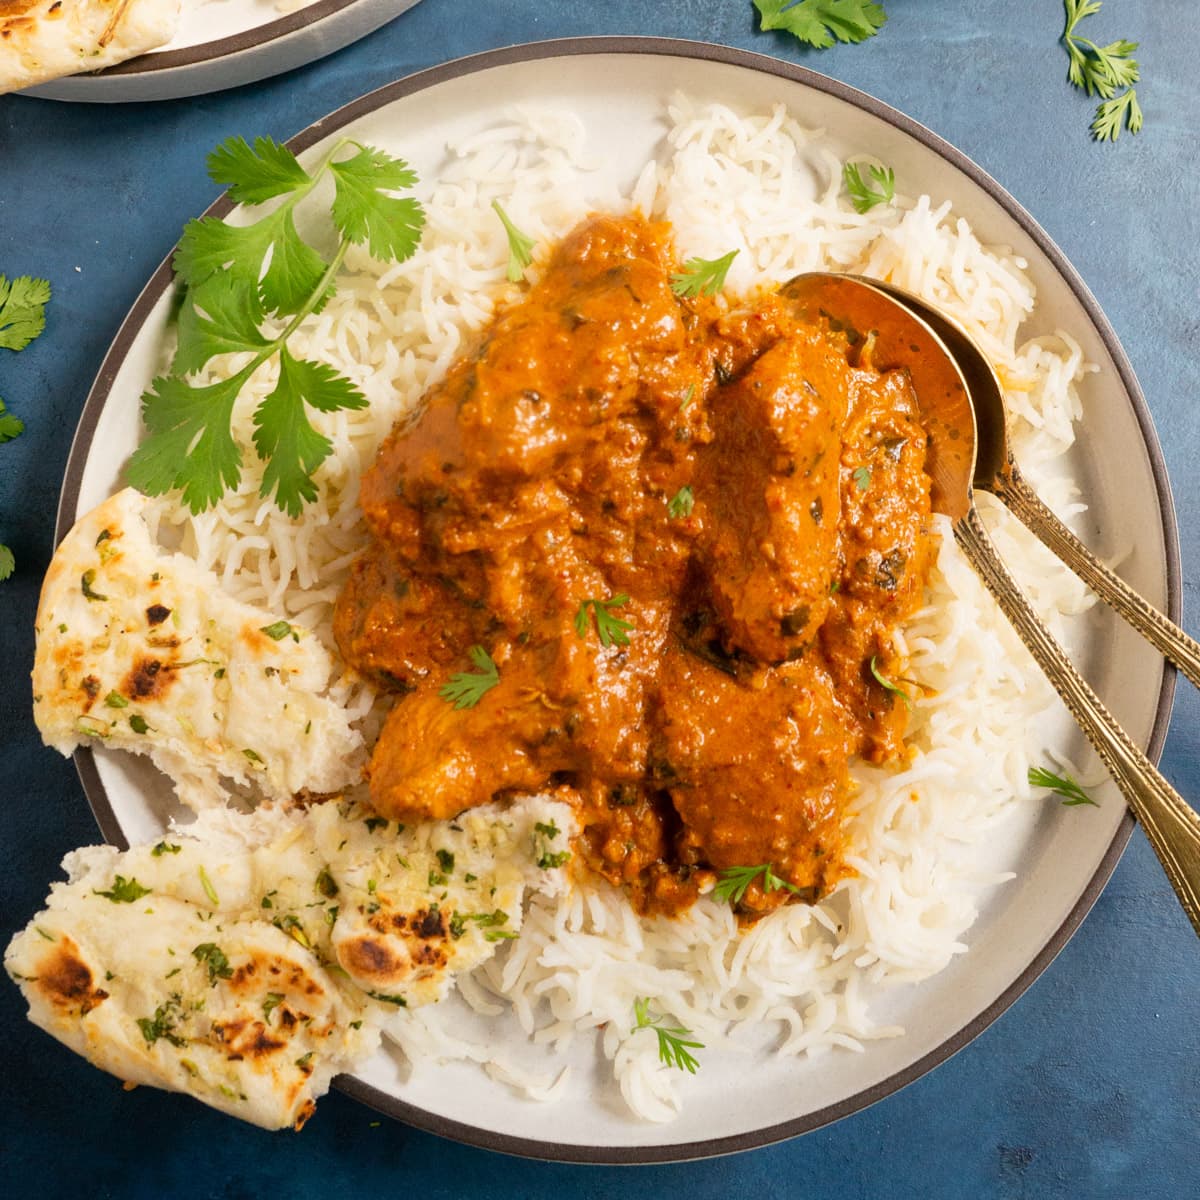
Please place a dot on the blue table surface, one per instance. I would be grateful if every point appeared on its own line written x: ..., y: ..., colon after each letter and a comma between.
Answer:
x: 1089, y: 1086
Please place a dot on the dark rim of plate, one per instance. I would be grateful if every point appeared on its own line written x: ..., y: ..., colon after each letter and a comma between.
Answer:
x: 562, y: 48
x: 237, y: 43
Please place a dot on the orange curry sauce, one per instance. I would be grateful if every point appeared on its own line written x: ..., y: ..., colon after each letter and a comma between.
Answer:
x: 717, y: 729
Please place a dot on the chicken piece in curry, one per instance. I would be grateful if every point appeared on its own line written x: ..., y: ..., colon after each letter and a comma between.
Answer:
x: 676, y: 535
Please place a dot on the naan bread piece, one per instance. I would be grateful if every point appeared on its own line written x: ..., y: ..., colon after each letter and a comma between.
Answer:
x: 247, y: 977
x: 162, y: 992
x: 402, y: 910
x: 142, y: 650
x: 45, y: 39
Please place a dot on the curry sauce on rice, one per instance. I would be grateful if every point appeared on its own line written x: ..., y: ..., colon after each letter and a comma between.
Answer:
x: 682, y: 533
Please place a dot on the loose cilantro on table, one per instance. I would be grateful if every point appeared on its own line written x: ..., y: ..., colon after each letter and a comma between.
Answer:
x: 1101, y: 71
x: 242, y: 280
x: 820, y: 23
x: 673, y: 1046
x: 863, y: 196
x: 22, y: 318
x: 702, y: 276
x: 22, y: 310
x: 467, y: 688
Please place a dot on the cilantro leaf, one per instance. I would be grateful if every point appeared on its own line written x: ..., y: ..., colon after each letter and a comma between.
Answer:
x: 862, y: 195
x: 702, y: 276
x: 124, y: 891
x: 284, y: 436
x: 363, y: 211
x: 213, y: 957
x: 889, y: 686
x: 672, y: 1044
x: 7, y: 562
x: 520, y: 246
x: 821, y: 22
x: 1064, y: 785
x: 681, y: 504
x: 1113, y: 115
x: 190, y: 445
x: 467, y: 688
x: 209, y: 245
x: 218, y: 316
x: 10, y: 426
x: 294, y: 271
x: 734, y: 882
x: 1102, y: 71
x: 257, y: 174
x: 612, y: 629
x: 22, y: 315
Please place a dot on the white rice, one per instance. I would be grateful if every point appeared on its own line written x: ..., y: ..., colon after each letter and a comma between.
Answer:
x: 764, y: 185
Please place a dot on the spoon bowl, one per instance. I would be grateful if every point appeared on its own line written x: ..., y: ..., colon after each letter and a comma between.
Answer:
x: 962, y: 408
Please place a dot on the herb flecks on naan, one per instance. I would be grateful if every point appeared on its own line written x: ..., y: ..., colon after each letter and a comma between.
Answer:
x: 187, y: 997
x: 249, y: 980
x: 46, y: 39
x: 141, y: 650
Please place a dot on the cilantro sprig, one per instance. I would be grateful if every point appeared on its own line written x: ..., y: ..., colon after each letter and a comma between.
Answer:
x: 22, y: 318
x: 702, y: 276
x: 240, y: 282
x: 733, y: 883
x: 862, y: 194
x: 467, y: 688
x: 520, y: 246
x: 1102, y: 71
x: 819, y: 23
x: 612, y: 629
x: 1066, y: 786
x: 673, y: 1046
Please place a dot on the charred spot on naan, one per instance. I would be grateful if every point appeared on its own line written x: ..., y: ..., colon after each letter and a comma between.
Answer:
x: 395, y: 948
x: 66, y: 981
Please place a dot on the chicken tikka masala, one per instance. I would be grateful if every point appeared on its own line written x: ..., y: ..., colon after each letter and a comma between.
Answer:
x: 648, y: 550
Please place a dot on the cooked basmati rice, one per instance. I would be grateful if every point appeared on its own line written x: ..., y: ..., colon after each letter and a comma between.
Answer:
x: 764, y: 185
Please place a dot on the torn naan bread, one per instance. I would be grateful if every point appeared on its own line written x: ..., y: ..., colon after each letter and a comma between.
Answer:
x: 142, y: 650
x: 46, y: 39
x: 249, y: 977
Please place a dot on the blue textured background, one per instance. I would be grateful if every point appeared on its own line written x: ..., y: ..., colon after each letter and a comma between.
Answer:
x: 1090, y: 1086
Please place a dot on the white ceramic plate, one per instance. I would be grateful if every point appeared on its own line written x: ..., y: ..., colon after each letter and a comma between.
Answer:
x: 225, y: 43
x: 618, y: 87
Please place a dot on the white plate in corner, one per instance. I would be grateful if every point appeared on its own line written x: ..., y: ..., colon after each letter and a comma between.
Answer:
x: 619, y: 88
x: 225, y: 43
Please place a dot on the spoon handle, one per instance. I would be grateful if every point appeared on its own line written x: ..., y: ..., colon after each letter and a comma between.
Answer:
x: 1167, y: 638
x: 1172, y: 826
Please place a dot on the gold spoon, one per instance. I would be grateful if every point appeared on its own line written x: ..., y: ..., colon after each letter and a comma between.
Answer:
x: 962, y: 410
